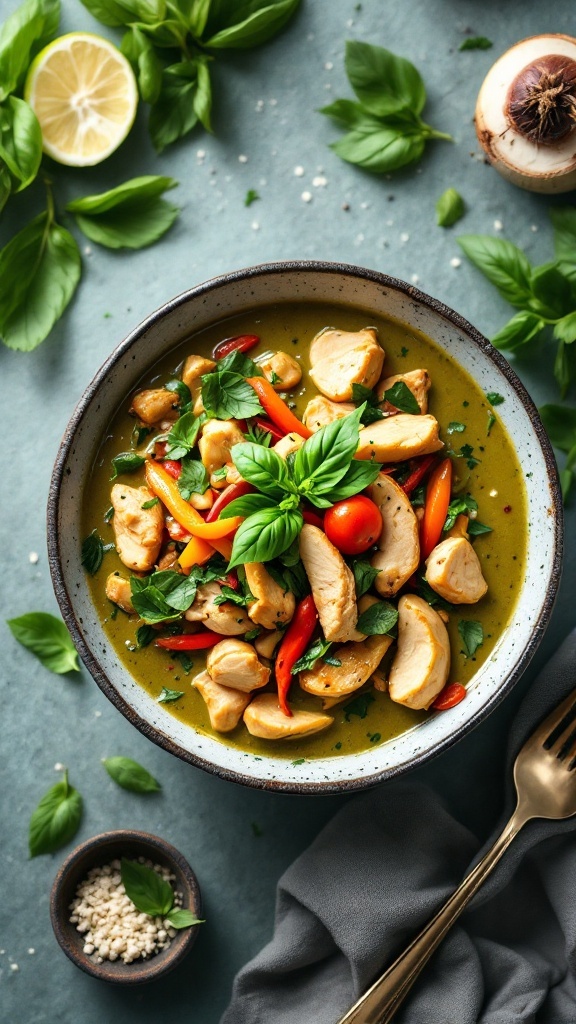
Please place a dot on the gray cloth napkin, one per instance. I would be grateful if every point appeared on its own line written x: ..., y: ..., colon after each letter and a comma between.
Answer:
x: 380, y: 869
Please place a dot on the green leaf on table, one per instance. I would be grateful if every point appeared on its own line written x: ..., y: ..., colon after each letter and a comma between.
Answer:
x: 124, y: 12
x: 358, y: 706
x: 476, y: 43
x: 193, y: 479
x: 185, y: 98
x: 560, y: 425
x: 182, y: 436
x: 263, y: 468
x: 449, y: 208
x: 179, y: 918
x: 161, y: 596
x: 503, y: 263
x: 168, y: 696
x: 22, y: 35
x: 130, y: 216
x: 150, y: 893
x: 349, y: 114
x: 364, y: 576
x: 228, y: 396
x: 47, y: 637
x: 471, y: 634
x: 518, y: 331
x: 265, y: 535
x: 138, y: 49
x: 401, y: 397
x: 5, y: 186
x: 384, y: 83
x: 564, y: 222
x: 242, y: 24
x: 56, y: 819
x: 380, y: 148
x: 379, y: 619
x: 130, y: 775
x: 565, y: 329
x: 20, y: 142
x: 126, y: 462
x: 318, y: 649
x: 250, y: 197
x: 92, y: 552
x: 39, y: 271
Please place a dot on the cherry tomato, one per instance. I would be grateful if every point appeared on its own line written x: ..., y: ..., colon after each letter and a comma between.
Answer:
x: 353, y: 525
x: 449, y: 697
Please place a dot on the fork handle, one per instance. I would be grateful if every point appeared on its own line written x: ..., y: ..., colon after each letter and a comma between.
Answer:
x: 382, y: 1000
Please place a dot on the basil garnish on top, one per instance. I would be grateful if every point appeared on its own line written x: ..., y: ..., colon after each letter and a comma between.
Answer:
x: 193, y: 478
x: 153, y: 895
x: 401, y: 397
x: 182, y: 437
x: 162, y: 596
x: 227, y: 395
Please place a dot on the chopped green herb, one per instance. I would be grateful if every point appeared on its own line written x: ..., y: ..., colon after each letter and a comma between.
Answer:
x: 186, y: 661
x: 258, y: 435
x: 151, y: 503
x: 193, y: 478
x: 466, y: 453
x: 374, y: 737
x: 490, y: 424
x: 494, y: 398
x: 364, y: 576
x: 459, y: 506
x: 418, y: 496
x: 220, y: 474
x: 308, y: 660
x: 163, y: 595
x: 404, y: 351
x: 168, y: 696
x: 227, y: 395
x: 372, y: 410
x: 126, y: 462
x: 433, y: 599
x: 139, y: 434
x: 401, y: 397
x: 145, y: 636
x: 454, y: 427
x: 252, y: 633
x: 472, y: 635
x: 251, y: 197
x: 183, y: 392
x: 359, y: 706
x: 256, y: 830
x: 476, y: 43
x: 182, y: 437
x: 300, y: 760
x: 475, y: 528
x: 92, y: 552
x: 234, y: 596
x: 109, y: 514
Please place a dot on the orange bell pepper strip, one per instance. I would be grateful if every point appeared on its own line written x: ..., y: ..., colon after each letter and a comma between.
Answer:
x: 165, y: 487
x: 277, y: 410
x: 189, y: 556
x: 436, y: 507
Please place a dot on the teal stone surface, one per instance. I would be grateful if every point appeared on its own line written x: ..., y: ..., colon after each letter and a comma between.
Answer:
x: 238, y: 841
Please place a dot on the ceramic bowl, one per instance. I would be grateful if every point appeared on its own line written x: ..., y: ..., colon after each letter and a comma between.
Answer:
x: 238, y: 293
x: 100, y: 850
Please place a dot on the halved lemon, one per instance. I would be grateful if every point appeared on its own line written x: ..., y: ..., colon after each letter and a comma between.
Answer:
x: 84, y: 94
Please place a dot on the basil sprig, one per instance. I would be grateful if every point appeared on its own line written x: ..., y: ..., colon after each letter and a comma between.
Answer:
x: 56, y: 819
x: 130, y: 775
x: 153, y: 895
x: 385, y: 130
x: 47, y: 637
x: 130, y: 216
x: 322, y: 471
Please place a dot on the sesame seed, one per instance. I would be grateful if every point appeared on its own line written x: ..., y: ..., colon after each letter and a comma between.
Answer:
x: 319, y: 181
x: 493, y: 493
x: 200, y: 153
x: 33, y: 557
x: 328, y: 65
x: 498, y: 225
x: 97, y: 714
x: 255, y: 225
x: 364, y: 206
x: 306, y: 197
x: 299, y: 171
x: 455, y: 262
x: 31, y: 951
x: 414, y: 278
x: 59, y: 767
x: 14, y: 967
x: 242, y: 159
x: 404, y: 237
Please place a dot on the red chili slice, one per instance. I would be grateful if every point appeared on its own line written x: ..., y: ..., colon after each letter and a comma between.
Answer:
x: 241, y: 343
x: 449, y: 697
x: 231, y: 492
x: 173, y: 467
x: 189, y: 641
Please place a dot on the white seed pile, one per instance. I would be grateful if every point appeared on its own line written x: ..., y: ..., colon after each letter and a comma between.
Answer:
x: 113, y: 928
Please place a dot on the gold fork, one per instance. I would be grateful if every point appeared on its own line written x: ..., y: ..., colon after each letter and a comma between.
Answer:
x: 545, y: 788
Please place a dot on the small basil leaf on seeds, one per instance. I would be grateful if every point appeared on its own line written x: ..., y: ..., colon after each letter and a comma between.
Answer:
x: 130, y: 775
x: 449, y: 208
x: 182, y: 918
x: 193, y: 478
x: 364, y: 576
x: 494, y: 398
x: 167, y: 695
x: 48, y: 638
x: 130, y: 216
x: 150, y: 893
x: 56, y: 819
x: 378, y: 619
x: 476, y: 43
x: 471, y: 634
x: 401, y: 397
x: 359, y: 706
x: 92, y: 552
x: 126, y: 462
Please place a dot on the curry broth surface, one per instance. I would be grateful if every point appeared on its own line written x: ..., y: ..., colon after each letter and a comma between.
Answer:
x: 453, y: 397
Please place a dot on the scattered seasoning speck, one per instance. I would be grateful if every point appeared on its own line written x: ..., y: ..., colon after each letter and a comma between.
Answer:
x: 31, y: 951
x: 33, y: 557
x: 255, y: 225
x: 404, y: 237
x: 259, y: 106
x: 273, y: 103
x: 507, y: 508
x: 58, y: 767
x: 533, y: 227
x: 14, y: 967
x: 200, y: 154
x: 328, y: 65
x: 498, y: 225
x: 299, y: 171
x: 414, y: 278
x: 97, y: 714
x: 242, y: 159
x: 455, y: 262
x: 364, y: 206
x: 493, y: 493
x: 346, y: 206
x: 319, y: 181
x: 306, y: 197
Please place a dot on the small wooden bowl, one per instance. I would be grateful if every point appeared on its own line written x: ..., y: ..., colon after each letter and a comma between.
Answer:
x: 100, y: 850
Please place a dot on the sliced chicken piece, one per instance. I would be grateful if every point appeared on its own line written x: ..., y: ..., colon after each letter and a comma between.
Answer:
x: 155, y: 405
x: 267, y: 643
x: 417, y: 380
x: 138, y: 530
x: 339, y: 359
x: 273, y: 606
x: 359, y: 661
x: 225, y: 706
x: 320, y: 411
x: 226, y: 618
x: 453, y: 570
x: 265, y: 719
x: 289, y: 443
x: 422, y: 663
x: 332, y: 585
x: 283, y: 366
x: 379, y: 681
x: 194, y: 369
x: 400, y: 437
x: 118, y: 590
x: 235, y: 663
x: 398, y: 552
x: 218, y: 437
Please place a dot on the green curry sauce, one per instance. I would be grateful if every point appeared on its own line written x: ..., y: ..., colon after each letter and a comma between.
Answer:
x: 368, y: 717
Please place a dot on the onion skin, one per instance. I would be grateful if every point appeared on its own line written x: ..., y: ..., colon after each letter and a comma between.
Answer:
x: 537, y: 167
x: 539, y: 84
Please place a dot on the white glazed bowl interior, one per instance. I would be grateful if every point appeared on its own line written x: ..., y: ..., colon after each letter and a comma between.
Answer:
x: 237, y: 293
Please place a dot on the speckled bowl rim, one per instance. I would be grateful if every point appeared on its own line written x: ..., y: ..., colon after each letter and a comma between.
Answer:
x: 55, y: 559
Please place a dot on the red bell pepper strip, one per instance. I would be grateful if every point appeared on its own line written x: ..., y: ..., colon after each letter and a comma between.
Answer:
x: 295, y: 642
x: 173, y: 466
x: 231, y: 492
x: 449, y: 697
x: 417, y: 475
x: 189, y: 641
x: 277, y: 435
x: 242, y: 343
x: 277, y: 410
x: 312, y: 519
x: 436, y: 507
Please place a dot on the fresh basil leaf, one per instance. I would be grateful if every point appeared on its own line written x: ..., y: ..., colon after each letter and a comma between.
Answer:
x: 182, y: 918
x: 564, y: 221
x: 144, y: 636
x: 92, y: 552
x: 560, y: 425
x: 349, y: 114
x: 418, y: 497
x: 133, y: 191
x: 565, y: 329
x: 162, y: 595
x: 185, y: 98
x: 308, y: 660
x: 358, y: 706
x: 239, y: 362
x: 228, y: 396
x: 476, y: 43
x: 494, y: 398
x: 552, y: 291
x: 183, y: 435
x: 20, y: 141
x: 182, y: 390
x: 380, y: 148
x: 234, y: 596
x: 324, y: 458
x: 126, y: 462
x: 22, y: 35
x: 56, y: 819
x: 246, y: 23
x: 149, y: 892
x: 458, y: 507
x: 454, y: 427
x: 130, y: 216
x: 39, y: 271
x: 433, y: 599
x: 138, y: 49
x: 250, y: 197
x: 265, y: 535
x: 518, y: 331
x: 378, y: 619
x: 466, y: 452
x: 471, y: 634
x: 449, y: 208
x: 247, y: 505
x: 48, y: 638
x: 476, y: 529
x: 195, y: 13
x: 5, y: 186
x: 384, y: 83
x: 167, y: 696
x: 370, y: 402
x: 364, y: 576
x: 151, y: 503
x: 262, y: 468
x: 130, y: 775
x: 359, y: 475
x: 193, y: 479
x: 258, y: 435
x: 503, y: 263
x: 401, y: 397
x: 124, y: 12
